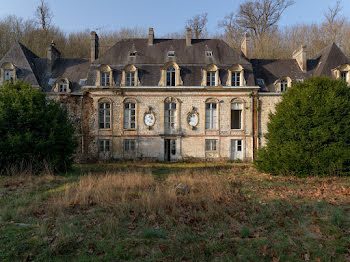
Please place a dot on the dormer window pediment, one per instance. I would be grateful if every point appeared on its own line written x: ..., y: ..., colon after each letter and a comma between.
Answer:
x: 170, y: 75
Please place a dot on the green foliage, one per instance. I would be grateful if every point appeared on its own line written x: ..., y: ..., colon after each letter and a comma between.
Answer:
x: 309, y: 134
x: 35, y: 132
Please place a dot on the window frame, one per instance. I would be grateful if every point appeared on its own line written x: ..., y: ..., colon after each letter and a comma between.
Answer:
x: 105, y: 79
x: 129, y: 145
x: 130, y: 78
x: 211, y: 78
x: 104, y: 146
x: 346, y: 79
x: 238, y: 108
x: 11, y: 74
x: 62, y: 85
x: 234, y: 76
x: 170, y: 76
x: 211, y: 116
x: 284, y: 85
x: 211, y: 145
x: 106, y: 113
x: 129, y: 115
x: 170, y: 115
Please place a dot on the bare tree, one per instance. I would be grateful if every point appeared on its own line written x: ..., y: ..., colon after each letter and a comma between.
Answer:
x: 334, y: 23
x: 43, y: 15
x: 198, y: 24
x: 259, y: 16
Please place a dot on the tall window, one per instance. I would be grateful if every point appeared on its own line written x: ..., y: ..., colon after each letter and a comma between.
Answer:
x: 170, y: 76
x: 236, y: 79
x: 104, y: 112
x: 62, y: 86
x: 210, y: 145
x: 130, y: 79
x: 105, y: 79
x: 8, y: 75
x: 236, y: 115
x: 129, y: 115
x: 344, y: 76
x: 284, y: 85
x: 104, y: 145
x: 211, y: 115
x: 211, y: 77
x: 170, y: 115
x: 129, y: 145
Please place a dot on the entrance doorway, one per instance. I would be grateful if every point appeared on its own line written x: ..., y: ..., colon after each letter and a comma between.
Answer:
x: 169, y: 149
x: 236, y: 149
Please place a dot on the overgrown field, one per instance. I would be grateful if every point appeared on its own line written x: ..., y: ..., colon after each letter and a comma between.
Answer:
x: 131, y: 212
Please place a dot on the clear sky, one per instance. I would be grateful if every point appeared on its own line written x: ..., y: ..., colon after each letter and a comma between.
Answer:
x: 165, y: 16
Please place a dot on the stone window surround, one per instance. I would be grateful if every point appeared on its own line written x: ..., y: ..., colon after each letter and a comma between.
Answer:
x: 217, y: 102
x: 57, y: 85
x: 243, y: 113
x: 236, y: 69
x: 127, y: 101
x: 210, y: 68
x: 7, y: 66
x: 177, y: 115
x: 130, y: 69
x: 163, y: 70
x: 104, y: 69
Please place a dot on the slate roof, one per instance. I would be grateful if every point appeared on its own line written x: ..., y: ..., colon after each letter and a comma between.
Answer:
x: 191, y: 59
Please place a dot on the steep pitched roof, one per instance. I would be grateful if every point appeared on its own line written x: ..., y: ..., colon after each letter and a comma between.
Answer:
x: 328, y: 59
x: 23, y: 59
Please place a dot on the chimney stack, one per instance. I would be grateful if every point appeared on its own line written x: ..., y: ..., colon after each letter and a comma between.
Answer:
x: 188, y: 37
x: 150, y: 36
x: 52, y: 55
x: 94, y: 46
x: 245, y: 46
x: 300, y: 56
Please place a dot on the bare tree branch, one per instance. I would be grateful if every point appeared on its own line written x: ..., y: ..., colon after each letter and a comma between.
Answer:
x: 43, y: 15
x: 198, y: 24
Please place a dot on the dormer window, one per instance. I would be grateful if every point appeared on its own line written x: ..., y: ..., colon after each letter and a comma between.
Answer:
x: 8, y: 75
x: 105, y: 79
x: 132, y: 54
x: 209, y: 53
x: 171, y: 53
x: 211, y: 76
x: 130, y: 76
x: 344, y: 76
x: 8, y: 72
x: 104, y: 76
x: 235, y: 76
x: 62, y: 86
x: 236, y: 79
x: 284, y: 85
x: 130, y: 79
x: 170, y: 76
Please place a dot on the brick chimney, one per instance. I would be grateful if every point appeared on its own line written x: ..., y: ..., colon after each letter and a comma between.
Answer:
x: 188, y: 37
x: 52, y: 55
x: 150, y: 36
x: 300, y: 56
x: 245, y: 46
x: 94, y: 46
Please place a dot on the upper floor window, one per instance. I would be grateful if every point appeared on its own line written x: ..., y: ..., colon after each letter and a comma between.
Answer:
x: 132, y: 54
x: 211, y: 78
x: 236, y: 78
x: 104, y: 113
x: 129, y: 116
x: 62, y: 86
x: 209, y: 53
x: 170, y: 76
x: 130, y: 79
x: 170, y: 115
x: 105, y: 79
x: 8, y: 75
x: 171, y: 53
x: 344, y: 76
x: 236, y: 115
x: 284, y: 85
x: 211, y: 116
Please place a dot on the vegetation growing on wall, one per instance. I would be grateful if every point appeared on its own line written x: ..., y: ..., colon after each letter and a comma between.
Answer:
x: 309, y: 134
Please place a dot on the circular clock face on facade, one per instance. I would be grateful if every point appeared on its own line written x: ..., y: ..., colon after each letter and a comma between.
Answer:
x: 192, y: 119
x: 149, y: 119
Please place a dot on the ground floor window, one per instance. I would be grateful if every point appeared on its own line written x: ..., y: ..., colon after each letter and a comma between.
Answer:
x: 104, y: 145
x: 129, y: 145
x: 211, y: 144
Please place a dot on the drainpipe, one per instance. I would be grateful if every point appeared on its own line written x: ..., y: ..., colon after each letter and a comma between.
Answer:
x: 81, y: 124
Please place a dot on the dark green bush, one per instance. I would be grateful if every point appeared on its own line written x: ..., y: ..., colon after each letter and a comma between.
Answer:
x: 309, y: 133
x: 35, y: 132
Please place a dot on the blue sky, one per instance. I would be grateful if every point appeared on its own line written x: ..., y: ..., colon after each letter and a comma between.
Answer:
x: 164, y: 15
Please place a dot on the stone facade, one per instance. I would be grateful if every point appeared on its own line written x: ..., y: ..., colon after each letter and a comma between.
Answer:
x: 169, y: 99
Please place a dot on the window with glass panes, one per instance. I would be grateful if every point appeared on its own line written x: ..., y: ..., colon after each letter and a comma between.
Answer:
x: 211, y: 115
x: 236, y: 79
x: 284, y: 85
x: 170, y: 76
x: 344, y: 76
x: 62, y: 86
x: 211, y: 77
x: 210, y: 144
x: 104, y: 113
x: 8, y: 75
x: 129, y: 145
x: 130, y: 79
x: 236, y: 115
x: 170, y: 115
x: 104, y: 145
x: 105, y: 79
x: 129, y: 115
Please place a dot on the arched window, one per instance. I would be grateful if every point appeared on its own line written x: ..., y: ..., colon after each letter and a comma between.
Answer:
x: 211, y: 114
x: 129, y: 114
x: 284, y: 85
x: 104, y: 114
x: 170, y: 76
